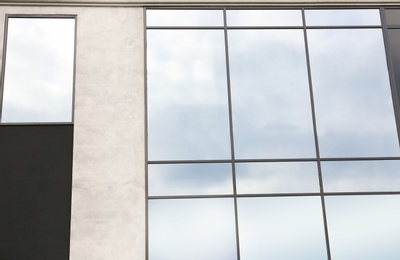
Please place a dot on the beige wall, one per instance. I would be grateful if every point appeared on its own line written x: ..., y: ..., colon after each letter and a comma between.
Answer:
x: 108, y: 193
x: 198, y: 2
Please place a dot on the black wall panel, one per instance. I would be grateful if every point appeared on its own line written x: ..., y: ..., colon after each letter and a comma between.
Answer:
x: 35, y: 191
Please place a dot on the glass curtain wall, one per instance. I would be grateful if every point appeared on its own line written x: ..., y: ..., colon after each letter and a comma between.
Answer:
x: 273, y: 134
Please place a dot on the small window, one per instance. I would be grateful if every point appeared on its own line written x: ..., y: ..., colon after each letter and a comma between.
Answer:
x: 38, y: 70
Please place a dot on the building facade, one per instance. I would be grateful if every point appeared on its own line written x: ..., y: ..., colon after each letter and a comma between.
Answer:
x: 200, y: 130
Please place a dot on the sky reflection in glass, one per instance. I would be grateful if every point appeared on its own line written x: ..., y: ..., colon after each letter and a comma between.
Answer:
x: 190, y: 179
x: 364, y: 227
x: 281, y: 228
x: 194, y: 229
x: 253, y: 178
x: 38, y: 82
x: 361, y: 176
x: 270, y: 94
x: 184, y: 18
x: 353, y: 102
x: 264, y: 18
x: 343, y: 17
x: 187, y: 95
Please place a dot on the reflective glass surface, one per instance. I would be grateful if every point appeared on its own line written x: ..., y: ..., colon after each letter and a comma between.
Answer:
x: 190, y: 179
x: 38, y: 81
x: 361, y: 176
x: 264, y: 18
x: 253, y: 178
x: 270, y: 94
x: 187, y: 95
x: 392, y: 17
x: 195, y: 229
x: 364, y: 227
x: 394, y: 43
x: 281, y: 228
x: 353, y: 102
x: 185, y: 18
x: 343, y: 17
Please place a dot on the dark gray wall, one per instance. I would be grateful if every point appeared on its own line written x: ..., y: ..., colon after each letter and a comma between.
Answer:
x: 35, y: 191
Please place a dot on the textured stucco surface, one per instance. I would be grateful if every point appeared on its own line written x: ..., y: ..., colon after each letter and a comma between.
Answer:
x: 108, y: 193
x: 202, y: 2
x: 108, y: 201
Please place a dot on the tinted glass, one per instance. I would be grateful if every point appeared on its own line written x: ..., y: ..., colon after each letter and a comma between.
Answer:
x: 361, y: 176
x: 354, y: 109
x: 189, y: 179
x: 392, y: 17
x: 194, y: 229
x: 270, y: 94
x: 38, y: 81
x: 187, y: 95
x: 281, y: 228
x: 185, y: 18
x: 394, y: 43
x: 364, y: 227
x: 343, y: 17
x: 264, y: 18
x: 253, y: 178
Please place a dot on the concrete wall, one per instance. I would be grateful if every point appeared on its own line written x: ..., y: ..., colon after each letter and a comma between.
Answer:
x: 108, y: 191
x: 198, y: 2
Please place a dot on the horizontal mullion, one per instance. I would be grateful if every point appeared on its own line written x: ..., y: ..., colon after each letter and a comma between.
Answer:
x: 306, y: 194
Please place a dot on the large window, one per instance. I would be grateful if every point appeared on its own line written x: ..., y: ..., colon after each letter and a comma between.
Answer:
x: 38, y: 69
x: 273, y: 134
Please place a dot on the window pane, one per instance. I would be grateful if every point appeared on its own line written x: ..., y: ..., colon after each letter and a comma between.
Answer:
x: 185, y: 18
x: 353, y: 102
x: 195, y: 229
x: 264, y: 18
x: 343, y: 17
x: 364, y: 227
x: 253, y: 178
x: 394, y: 43
x: 270, y: 94
x: 361, y: 176
x: 39, y: 67
x: 392, y: 16
x: 187, y: 95
x: 190, y: 179
x: 281, y: 228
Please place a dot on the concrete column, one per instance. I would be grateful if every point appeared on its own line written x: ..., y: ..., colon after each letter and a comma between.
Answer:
x: 108, y: 193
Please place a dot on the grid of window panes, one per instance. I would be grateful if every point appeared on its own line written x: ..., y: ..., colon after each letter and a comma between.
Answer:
x: 272, y: 133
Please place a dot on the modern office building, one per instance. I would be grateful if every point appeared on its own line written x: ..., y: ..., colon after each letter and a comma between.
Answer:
x: 198, y: 130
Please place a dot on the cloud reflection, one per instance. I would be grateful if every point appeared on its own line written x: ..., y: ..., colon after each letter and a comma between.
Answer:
x: 39, y: 70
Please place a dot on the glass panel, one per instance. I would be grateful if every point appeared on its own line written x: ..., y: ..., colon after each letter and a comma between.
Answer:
x: 38, y: 82
x: 343, y: 17
x: 270, y: 94
x: 264, y: 18
x: 184, y: 18
x: 281, y: 228
x: 190, y: 179
x: 361, y: 176
x: 187, y: 95
x: 253, y: 178
x: 394, y: 43
x: 353, y: 102
x: 195, y: 229
x: 392, y: 16
x: 364, y: 227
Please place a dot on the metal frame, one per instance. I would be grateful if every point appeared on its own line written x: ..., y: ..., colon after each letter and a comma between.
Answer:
x: 318, y: 159
x: 3, y: 65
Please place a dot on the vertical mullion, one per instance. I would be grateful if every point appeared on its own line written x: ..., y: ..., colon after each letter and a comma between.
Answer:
x: 3, y: 69
x: 321, y: 186
x: 145, y: 134
x: 231, y: 134
x: 390, y: 67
